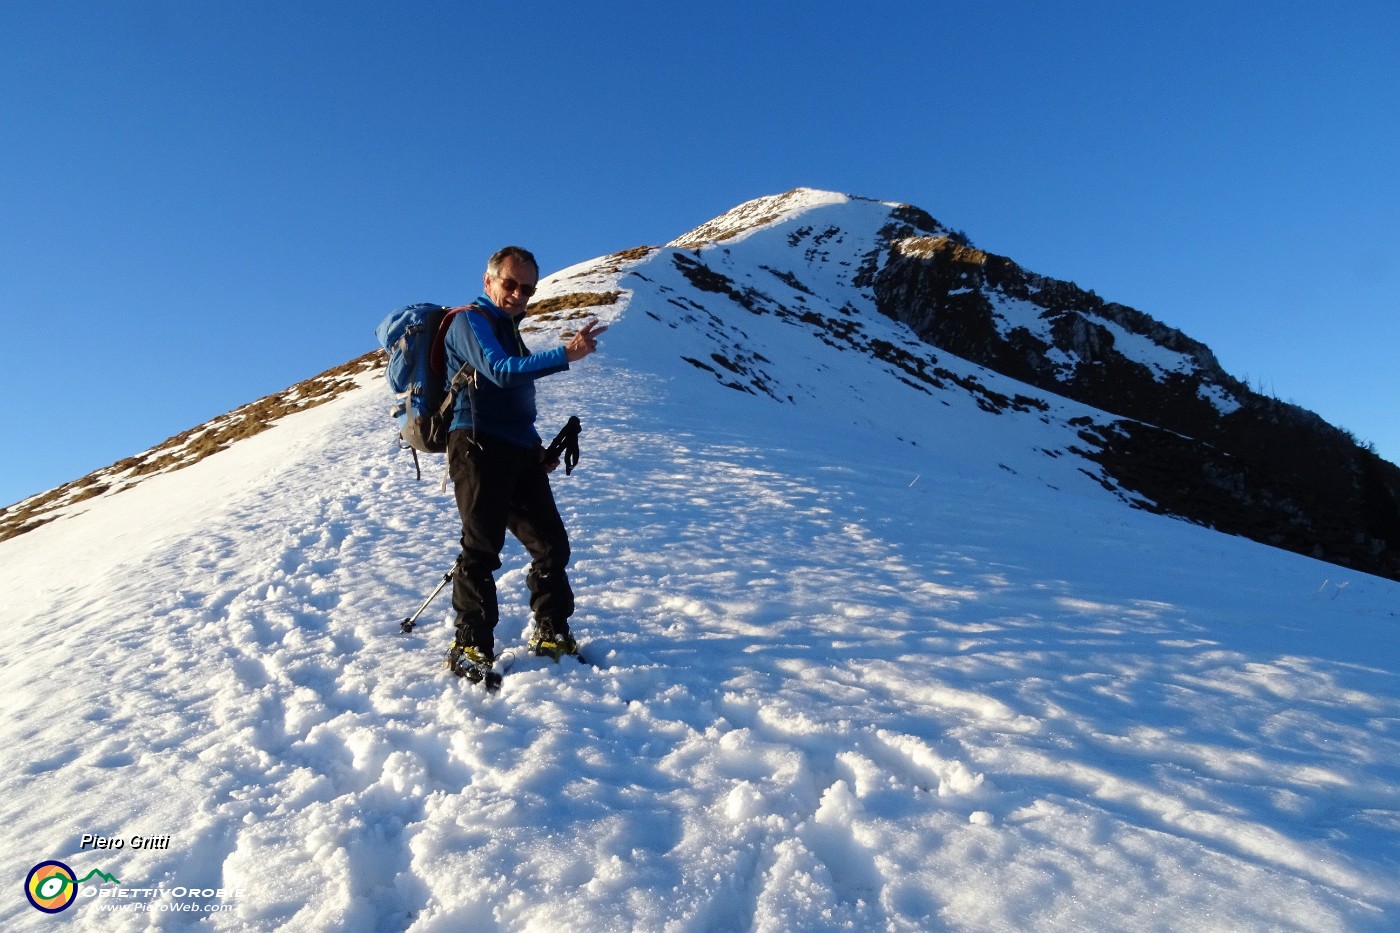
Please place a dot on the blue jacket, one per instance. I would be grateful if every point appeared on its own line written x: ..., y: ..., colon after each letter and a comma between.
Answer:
x: 489, y: 340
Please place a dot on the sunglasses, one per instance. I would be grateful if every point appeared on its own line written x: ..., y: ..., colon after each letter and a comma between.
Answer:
x: 511, y: 285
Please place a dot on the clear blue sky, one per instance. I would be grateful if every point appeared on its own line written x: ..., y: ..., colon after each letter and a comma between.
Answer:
x: 203, y: 202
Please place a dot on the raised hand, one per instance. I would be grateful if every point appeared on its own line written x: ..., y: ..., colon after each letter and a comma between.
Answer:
x: 585, y: 341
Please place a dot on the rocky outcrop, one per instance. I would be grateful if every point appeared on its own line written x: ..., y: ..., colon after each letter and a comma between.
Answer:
x: 1192, y: 441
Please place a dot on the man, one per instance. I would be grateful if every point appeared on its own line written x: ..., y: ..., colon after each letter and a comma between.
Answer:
x: 498, y: 467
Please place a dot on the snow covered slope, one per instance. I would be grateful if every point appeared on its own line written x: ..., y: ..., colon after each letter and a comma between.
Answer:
x: 877, y: 650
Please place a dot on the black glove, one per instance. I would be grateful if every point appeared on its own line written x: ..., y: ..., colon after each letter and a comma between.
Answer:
x: 565, y: 443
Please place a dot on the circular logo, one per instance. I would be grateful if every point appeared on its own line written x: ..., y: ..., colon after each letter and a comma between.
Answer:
x: 51, y: 887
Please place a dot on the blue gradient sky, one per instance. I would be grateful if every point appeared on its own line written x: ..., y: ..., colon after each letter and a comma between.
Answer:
x: 203, y: 202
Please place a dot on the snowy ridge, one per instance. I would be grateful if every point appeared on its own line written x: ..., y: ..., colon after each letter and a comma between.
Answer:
x: 787, y: 316
x: 756, y: 214
x: 825, y: 219
x: 874, y: 653
x: 184, y: 449
x: 832, y: 213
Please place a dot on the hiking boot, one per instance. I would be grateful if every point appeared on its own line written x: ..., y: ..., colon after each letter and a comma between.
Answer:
x: 553, y: 646
x: 469, y: 661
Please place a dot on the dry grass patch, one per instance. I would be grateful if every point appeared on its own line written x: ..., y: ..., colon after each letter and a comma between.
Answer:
x: 559, y: 306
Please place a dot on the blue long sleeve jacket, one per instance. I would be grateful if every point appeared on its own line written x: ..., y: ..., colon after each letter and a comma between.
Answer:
x: 489, y: 340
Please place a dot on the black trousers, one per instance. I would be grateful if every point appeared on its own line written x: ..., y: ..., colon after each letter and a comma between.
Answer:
x: 503, y: 487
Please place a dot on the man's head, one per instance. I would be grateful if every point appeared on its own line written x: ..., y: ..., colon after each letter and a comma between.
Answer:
x: 511, y: 276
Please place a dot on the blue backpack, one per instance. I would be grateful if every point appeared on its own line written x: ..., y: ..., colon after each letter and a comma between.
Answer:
x: 417, y: 374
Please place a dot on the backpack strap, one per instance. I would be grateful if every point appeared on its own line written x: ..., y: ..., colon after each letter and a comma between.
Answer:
x: 437, y: 354
x: 465, y: 377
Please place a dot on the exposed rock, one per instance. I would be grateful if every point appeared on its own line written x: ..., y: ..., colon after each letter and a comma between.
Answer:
x: 1194, y: 442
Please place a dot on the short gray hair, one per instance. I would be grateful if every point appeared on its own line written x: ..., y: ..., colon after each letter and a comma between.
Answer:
x: 518, y: 253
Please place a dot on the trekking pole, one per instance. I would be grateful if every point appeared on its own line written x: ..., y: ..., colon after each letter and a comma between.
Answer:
x: 407, y: 624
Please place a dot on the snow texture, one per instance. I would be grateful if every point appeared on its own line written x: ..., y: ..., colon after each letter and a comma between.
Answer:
x: 869, y: 657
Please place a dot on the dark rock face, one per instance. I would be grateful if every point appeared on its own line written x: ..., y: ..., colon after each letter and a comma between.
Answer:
x: 1191, y: 441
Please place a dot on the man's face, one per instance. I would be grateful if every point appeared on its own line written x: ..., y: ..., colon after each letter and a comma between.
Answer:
x: 512, y: 287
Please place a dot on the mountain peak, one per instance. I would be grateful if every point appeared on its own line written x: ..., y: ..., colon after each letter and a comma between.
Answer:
x: 752, y: 215
x: 873, y: 314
